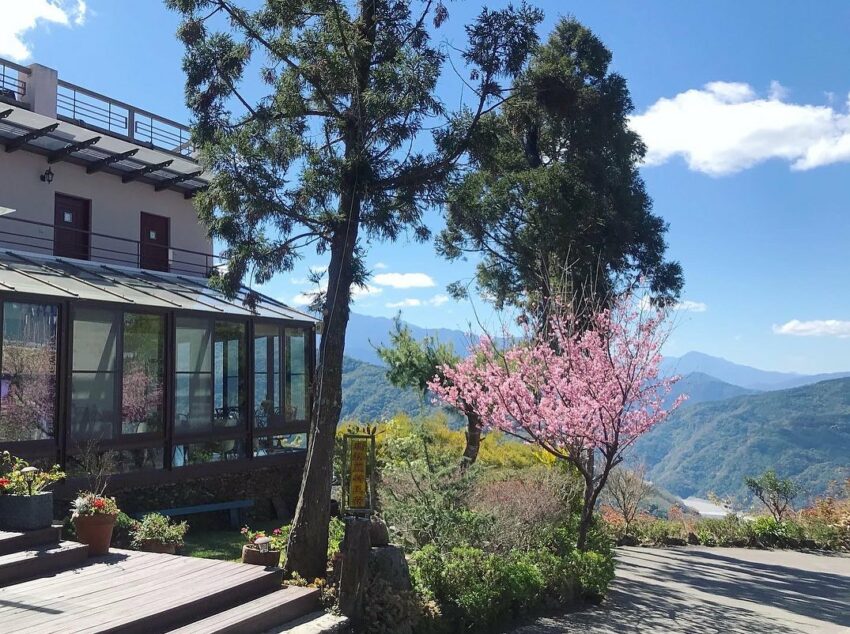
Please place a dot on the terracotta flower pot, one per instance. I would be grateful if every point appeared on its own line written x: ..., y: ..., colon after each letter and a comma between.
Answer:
x: 96, y: 531
x: 153, y: 546
x: 255, y: 557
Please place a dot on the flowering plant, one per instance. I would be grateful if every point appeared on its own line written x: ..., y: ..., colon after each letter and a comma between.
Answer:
x: 88, y: 503
x: 278, y: 536
x: 18, y: 477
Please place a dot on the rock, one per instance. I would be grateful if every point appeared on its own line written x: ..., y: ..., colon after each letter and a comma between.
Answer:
x: 628, y: 540
x: 379, y: 533
x: 693, y: 540
x: 389, y: 563
x: 674, y: 541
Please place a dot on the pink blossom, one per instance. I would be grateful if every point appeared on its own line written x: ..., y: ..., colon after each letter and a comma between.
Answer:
x: 570, y: 389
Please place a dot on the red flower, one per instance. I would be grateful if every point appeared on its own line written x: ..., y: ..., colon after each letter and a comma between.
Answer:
x: 276, y: 531
x: 4, y: 482
x: 98, y: 503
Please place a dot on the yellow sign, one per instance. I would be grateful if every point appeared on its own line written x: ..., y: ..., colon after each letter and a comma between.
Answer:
x: 357, y: 474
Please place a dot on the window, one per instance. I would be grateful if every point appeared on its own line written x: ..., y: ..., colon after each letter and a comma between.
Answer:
x: 297, y: 400
x: 143, y: 372
x: 267, y: 374
x: 229, y: 357
x: 281, y: 443
x: 210, y: 390
x: 28, y: 380
x: 94, y: 375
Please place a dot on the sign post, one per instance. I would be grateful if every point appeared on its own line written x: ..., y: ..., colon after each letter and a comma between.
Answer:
x: 358, y: 473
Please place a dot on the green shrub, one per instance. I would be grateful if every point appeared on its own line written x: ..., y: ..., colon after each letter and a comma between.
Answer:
x: 475, y: 588
x: 155, y: 527
x: 770, y: 533
x: 593, y: 572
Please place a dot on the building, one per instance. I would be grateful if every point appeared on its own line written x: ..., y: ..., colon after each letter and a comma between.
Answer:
x: 114, y: 347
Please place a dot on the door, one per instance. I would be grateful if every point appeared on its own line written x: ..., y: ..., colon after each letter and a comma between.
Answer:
x: 154, y: 242
x: 72, y: 227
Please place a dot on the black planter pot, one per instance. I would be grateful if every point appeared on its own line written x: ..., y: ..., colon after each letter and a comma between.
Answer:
x: 26, y: 512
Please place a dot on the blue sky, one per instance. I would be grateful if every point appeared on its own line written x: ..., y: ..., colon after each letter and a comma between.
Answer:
x: 743, y: 107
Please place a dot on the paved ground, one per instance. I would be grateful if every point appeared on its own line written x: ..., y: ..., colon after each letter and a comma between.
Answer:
x: 706, y: 590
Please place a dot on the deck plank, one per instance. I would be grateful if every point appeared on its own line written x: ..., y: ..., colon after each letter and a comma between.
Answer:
x: 125, y: 588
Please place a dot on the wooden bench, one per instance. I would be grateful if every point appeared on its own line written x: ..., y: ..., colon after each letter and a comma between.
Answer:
x: 236, y: 508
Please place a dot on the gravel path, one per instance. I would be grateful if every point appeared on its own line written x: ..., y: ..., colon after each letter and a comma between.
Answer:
x: 706, y: 590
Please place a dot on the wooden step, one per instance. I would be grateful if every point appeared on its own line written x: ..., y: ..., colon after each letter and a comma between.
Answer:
x: 41, y: 561
x: 13, y: 542
x: 319, y: 622
x: 259, y: 615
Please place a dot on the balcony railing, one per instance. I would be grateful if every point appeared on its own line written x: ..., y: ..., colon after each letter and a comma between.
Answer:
x: 40, y: 238
x: 12, y: 87
x: 99, y: 112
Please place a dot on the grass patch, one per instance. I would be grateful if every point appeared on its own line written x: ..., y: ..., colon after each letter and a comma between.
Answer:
x: 220, y: 544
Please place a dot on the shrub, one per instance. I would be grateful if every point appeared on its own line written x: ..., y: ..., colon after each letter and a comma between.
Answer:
x: 475, y: 588
x: 155, y: 527
x: 593, y: 571
x: 769, y: 532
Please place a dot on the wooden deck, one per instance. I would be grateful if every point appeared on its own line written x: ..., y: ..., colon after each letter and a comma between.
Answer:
x: 130, y: 591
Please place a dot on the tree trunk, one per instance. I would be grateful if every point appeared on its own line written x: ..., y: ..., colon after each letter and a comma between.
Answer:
x: 473, y: 439
x: 308, y: 541
x: 586, y: 518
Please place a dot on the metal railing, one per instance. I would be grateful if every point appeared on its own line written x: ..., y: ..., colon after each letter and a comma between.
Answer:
x: 12, y: 87
x: 99, y: 112
x: 40, y: 238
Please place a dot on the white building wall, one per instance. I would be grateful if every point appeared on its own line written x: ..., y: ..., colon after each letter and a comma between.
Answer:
x: 115, y: 206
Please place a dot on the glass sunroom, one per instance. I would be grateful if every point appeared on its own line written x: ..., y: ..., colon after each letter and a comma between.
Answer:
x: 156, y: 370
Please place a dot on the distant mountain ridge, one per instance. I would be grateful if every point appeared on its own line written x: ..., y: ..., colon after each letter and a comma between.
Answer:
x: 742, y: 375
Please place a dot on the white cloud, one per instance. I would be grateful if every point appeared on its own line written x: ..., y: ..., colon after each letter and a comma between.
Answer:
x: 305, y: 297
x: 814, y: 328
x: 410, y: 302
x: 405, y: 280
x: 17, y: 17
x: 691, y: 306
x: 726, y: 127
x: 380, y: 266
x: 365, y: 291
x: 405, y: 303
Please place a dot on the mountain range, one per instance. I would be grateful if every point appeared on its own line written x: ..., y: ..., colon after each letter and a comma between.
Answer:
x: 737, y: 421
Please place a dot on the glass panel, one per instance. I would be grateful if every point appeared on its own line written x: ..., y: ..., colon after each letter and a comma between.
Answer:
x: 203, y: 452
x: 95, y: 338
x: 92, y: 405
x: 193, y: 402
x: 267, y: 370
x: 193, y: 388
x: 283, y: 443
x: 116, y: 461
x: 193, y: 345
x: 229, y: 368
x: 296, y: 375
x: 144, y: 345
x: 93, y: 402
x: 28, y: 378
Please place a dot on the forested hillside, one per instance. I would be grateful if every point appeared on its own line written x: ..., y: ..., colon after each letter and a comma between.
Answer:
x: 803, y: 433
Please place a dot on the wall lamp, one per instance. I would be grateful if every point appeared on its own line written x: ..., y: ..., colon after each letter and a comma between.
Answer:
x: 47, y: 177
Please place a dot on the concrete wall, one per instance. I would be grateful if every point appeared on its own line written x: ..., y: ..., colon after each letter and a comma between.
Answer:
x: 115, y: 207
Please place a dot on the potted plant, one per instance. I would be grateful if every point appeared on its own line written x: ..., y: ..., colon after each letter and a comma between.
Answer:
x: 261, y: 549
x: 157, y: 534
x: 25, y: 505
x: 93, y: 515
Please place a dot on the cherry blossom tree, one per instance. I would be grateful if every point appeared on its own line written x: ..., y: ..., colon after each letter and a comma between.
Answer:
x: 582, y: 389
